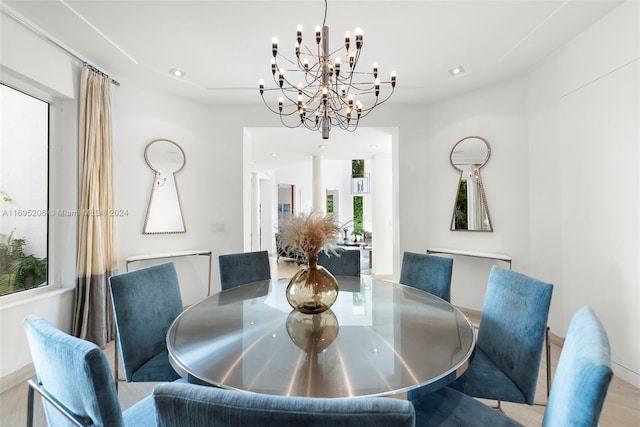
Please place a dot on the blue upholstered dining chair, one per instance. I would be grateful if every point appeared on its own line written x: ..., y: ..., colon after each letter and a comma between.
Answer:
x: 75, y: 381
x: 510, y: 339
x: 188, y: 405
x: 429, y: 273
x: 577, y: 394
x: 346, y: 263
x: 145, y: 304
x: 242, y: 268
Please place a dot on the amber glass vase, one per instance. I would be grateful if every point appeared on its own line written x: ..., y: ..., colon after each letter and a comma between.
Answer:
x: 312, y: 289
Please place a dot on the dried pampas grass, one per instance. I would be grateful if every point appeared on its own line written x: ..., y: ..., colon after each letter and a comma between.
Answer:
x: 310, y: 233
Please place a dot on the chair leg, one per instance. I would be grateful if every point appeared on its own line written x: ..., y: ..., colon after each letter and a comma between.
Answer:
x: 115, y: 360
x: 30, y: 407
x: 548, y: 344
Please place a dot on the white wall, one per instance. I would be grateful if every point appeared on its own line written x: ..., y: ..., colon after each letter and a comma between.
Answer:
x: 336, y: 176
x: 587, y: 195
x: 210, y: 184
x: 382, y: 214
x: 428, y: 183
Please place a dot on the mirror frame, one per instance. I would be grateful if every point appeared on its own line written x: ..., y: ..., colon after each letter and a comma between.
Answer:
x: 153, y: 188
x: 484, y: 197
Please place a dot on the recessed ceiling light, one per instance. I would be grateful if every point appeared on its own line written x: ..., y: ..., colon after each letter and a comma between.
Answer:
x: 456, y: 71
x: 274, y: 154
x: 323, y: 146
x: 373, y: 146
x: 177, y: 73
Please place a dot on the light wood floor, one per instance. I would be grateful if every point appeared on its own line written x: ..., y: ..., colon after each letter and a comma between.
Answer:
x: 621, y: 407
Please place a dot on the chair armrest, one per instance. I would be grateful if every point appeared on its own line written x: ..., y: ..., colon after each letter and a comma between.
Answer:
x: 36, y: 386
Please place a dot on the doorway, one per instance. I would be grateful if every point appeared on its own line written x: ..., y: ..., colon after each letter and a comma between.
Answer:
x: 286, y: 202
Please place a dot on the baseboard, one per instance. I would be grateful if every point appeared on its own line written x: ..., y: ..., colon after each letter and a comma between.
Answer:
x: 626, y: 374
x: 17, y: 377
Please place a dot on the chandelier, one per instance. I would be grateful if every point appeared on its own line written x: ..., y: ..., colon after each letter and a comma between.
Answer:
x: 319, y: 91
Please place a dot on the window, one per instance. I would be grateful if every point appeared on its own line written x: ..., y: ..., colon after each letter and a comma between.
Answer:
x: 357, y: 171
x: 24, y: 190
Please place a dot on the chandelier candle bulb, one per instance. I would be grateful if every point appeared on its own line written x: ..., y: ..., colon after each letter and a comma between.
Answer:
x: 325, y: 96
x: 359, y: 36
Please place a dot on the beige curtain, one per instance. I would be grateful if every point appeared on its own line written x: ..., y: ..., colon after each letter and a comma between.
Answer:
x: 96, y: 252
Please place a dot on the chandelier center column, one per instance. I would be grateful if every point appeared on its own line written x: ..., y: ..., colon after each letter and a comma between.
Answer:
x: 325, y: 80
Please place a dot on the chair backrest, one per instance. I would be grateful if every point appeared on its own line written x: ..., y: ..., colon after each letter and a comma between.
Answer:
x: 145, y: 303
x: 193, y: 405
x: 583, y: 374
x: 346, y: 263
x: 513, y: 325
x: 242, y: 268
x: 429, y: 273
x: 75, y: 372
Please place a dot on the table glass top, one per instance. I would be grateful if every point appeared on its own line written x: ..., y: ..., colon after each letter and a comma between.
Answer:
x: 379, y: 338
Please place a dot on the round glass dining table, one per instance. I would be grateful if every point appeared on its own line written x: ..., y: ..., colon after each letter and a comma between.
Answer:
x: 379, y: 338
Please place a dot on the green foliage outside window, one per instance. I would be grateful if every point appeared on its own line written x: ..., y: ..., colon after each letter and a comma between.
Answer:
x: 461, y: 208
x: 357, y: 170
x: 17, y: 270
x: 357, y: 216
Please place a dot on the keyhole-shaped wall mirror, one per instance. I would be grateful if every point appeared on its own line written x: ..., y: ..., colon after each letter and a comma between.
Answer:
x: 470, y: 211
x: 164, y: 214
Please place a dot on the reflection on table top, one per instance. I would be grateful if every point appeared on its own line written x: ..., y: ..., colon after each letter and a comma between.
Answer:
x: 379, y: 338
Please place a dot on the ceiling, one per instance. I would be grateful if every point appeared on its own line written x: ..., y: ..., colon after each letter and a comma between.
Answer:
x: 224, y: 47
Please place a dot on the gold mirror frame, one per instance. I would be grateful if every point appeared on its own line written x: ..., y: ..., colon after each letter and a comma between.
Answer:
x: 164, y: 212
x: 470, y: 208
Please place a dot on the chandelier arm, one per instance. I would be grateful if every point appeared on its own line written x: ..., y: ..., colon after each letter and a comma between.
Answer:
x: 288, y: 125
x: 342, y: 123
x: 310, y: 123
x: 337, y: 50
x: 366, y: 111
x: 269, y: 107
x: 309, y: 51
x: 286, y: 59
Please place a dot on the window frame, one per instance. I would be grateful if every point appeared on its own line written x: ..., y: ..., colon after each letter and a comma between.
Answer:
x: 43, y: 96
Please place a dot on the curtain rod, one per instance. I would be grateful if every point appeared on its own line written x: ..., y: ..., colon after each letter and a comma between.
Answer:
x: 39, y: 33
